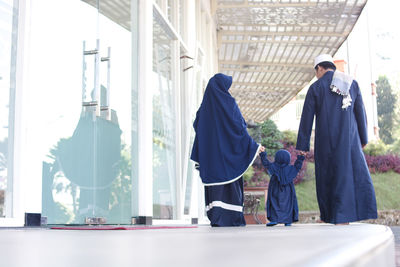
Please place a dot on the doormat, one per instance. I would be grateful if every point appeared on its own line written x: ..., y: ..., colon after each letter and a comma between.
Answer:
x: 119, y: 227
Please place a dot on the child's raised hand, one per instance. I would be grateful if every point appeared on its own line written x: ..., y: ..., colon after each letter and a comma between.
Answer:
x: 303, y: 153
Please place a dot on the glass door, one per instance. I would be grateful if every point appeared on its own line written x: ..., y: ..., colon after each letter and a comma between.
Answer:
x: 8, y: 45
x: 164, y: 143
x: 83, y: 146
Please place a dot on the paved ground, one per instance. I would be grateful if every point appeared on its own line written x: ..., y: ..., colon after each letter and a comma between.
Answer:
x: 396, y: 232
x: 254, y: 245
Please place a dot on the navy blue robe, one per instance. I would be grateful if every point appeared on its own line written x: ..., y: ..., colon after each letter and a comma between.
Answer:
x: 345, y: 191
x: 224, y: 204
x: 281, y: 205
x: 222, y: 150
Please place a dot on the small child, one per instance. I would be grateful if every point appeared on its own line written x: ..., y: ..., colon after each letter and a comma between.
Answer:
x: 281, y: 203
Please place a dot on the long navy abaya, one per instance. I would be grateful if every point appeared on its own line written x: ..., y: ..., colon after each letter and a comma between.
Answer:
x: 222, y: 150
x: 281, y: 205
x: 345, y: 191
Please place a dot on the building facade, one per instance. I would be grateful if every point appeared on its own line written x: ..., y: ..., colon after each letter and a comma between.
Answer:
x: 98, y: 98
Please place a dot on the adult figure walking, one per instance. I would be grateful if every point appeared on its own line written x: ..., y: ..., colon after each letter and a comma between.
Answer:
x: 222, y: 150
x: 345, y: 191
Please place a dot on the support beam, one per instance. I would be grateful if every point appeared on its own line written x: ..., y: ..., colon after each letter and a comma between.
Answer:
x: 283, y: 33
x: 269, y: 68
x: 268, y: 5
x: 266, y: 85
x: 261, y: 41
x: 262, y: 64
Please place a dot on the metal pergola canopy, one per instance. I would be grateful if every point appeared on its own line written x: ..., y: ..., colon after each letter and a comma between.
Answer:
x: 268, y: 46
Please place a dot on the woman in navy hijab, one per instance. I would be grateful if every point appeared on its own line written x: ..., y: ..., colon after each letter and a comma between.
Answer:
x: 222, y: 150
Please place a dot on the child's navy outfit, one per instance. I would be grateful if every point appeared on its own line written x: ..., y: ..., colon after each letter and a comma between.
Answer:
x: 281, y: 203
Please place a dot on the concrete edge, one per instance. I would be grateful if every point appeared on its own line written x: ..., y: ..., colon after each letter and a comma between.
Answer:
x: 374, y: 250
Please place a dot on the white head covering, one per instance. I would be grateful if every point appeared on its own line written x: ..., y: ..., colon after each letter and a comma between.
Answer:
x: 341, y: 84
x: 322, y: 58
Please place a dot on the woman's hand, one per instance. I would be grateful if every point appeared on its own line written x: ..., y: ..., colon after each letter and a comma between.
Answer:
x: 261, y: 149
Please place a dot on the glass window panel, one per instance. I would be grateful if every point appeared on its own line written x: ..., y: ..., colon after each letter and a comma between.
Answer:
x: 194, y: 103
x: 182, y: 22
x: 81, y: 153
x: 7, y: 78
x: 164, y: 149
x: 188, y: 189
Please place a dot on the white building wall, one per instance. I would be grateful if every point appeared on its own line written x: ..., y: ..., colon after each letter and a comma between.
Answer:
x: 199, y: 38
x: 356, y: 51
x: 288, y: 118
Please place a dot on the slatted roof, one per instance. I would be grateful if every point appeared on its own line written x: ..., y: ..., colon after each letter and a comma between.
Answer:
x: 118, y: 11
x: 269, y: 46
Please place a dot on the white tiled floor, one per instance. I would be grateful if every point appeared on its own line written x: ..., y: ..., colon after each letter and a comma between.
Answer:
x: 255, y: 245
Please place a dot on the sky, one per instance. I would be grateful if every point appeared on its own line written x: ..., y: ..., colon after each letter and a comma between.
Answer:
x: 384, y: 22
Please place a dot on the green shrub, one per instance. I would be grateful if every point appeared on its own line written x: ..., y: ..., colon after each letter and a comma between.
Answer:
x: 289, y: 138
x: 248, y: 174
x: 255, y: 177
x: 376, y: 148
x: 270, y: 136
x: 395, y: 147
x: 310, y: 171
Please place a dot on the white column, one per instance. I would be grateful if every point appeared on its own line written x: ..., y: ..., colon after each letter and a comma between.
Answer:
x: 176, y: 71
x: 145, y: 108
x: 15, y: 205
x: 190, y: 22
x: 374, y: 111
x: 134, y: 102
x: 20, y: 173
x: 371, y: 48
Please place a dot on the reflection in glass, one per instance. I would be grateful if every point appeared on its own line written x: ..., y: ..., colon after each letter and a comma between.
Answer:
x: 90, y: 74
x: 7, y: 77
x: 188, y: 190
x: 164, y: 192
x: 90, y: 161
x: 194, y: 97
x: 188, y: 91
x: 91, y: 167
x: 86, y: 169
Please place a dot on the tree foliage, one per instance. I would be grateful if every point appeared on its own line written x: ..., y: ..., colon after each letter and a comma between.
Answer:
x: 289, y: 138
x: 268, y: 135
x: 386, y: 103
